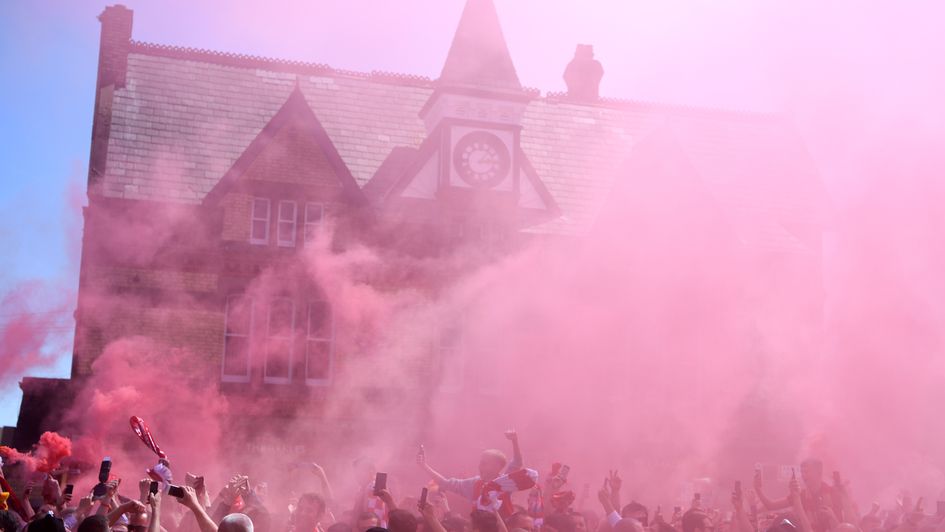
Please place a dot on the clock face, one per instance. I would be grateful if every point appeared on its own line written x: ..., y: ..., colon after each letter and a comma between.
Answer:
x: 481, y: 159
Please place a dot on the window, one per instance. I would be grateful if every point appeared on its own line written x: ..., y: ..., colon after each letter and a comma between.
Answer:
x: 313, y: 220
x: 450, y: 355
x: 278, y: 366
x: 286, y: 228
x: 237, y: 324
x: 319, y: 342
x: 259, y: 230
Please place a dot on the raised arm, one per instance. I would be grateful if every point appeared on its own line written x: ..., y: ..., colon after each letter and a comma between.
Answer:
x: 154, y: 500
x: 191, y: 501
x: 769, y: 504
x: 422, y: 462
x: 130, y: 506
x: 326, y: 486
x: 740, y: 521
x: 848, y: 508
x: 615, y: 484
x: 429, y: 518
x: 517, y: 461
x: 794, y: 497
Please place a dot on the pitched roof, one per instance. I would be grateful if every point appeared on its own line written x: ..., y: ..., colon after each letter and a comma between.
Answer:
x: 478, y: 55
x: 295, y: 112
x: 185, y: 116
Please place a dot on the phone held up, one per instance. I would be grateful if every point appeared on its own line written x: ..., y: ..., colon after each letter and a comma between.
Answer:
x: 175, y: 491
x: 380, y: 482
x: 104, y: 471
x: 424, y: 493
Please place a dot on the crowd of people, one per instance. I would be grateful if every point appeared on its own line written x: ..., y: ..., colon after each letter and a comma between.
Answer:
x: 506, y: 496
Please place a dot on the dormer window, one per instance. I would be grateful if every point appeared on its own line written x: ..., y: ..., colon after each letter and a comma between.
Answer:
x: 286, y: 227
x: 259, y: 231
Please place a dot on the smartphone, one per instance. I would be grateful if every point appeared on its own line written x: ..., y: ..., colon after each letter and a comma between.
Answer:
x: 380, y: 482
x: 836, y: 478
x: 738, y: 489
x: 105, y: 470
x: 154, y: 487
x: 940, y: 508
x: 175, y: 491
x: 698, y: 496
x: 69, y: 489
x: 423, y: 498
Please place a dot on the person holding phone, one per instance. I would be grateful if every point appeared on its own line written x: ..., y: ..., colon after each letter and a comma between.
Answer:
x: 815, y: 495
x: 491, y: 489
x: 367, y: 499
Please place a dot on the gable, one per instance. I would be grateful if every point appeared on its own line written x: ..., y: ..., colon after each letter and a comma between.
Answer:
x: 293, y: 156
x: 294, y: 149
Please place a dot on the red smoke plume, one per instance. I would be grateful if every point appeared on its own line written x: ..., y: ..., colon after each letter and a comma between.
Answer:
x: 45, y: 457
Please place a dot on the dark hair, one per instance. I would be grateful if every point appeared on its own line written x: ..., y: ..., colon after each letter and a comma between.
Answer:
x: 663, y: 526
x: 260, y: 517
x: 401, y: 521
x: 628, y: 524
x: 693, y: 520
x: 454, y: 523
x: 315, y: 499
x: 376, y: 529
x: 7, y: 522
x: 484, y: 521
x: 560, y: 522
x: 94, y: 523
x: 634, y: 506
x: 47, y: 523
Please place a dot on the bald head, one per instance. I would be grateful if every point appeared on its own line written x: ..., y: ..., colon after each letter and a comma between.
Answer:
x: 236, y: 523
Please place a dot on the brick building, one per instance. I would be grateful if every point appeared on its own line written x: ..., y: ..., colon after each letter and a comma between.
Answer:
x: 262, y: 152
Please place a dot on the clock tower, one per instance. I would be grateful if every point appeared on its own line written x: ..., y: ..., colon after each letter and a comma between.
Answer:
x: 475, y: 110
x: 471, y: 163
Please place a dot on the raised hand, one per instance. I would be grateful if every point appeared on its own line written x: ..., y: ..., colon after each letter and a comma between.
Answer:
x: 386, y: 496
x: 154, y: 500
x: 605, y: 496
x: 615, y: 481
x: 190, y: 498
x: 144, y: 488
x: 511, y: 435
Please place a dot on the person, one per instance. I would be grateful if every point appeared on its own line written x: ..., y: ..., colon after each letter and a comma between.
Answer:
x: 401, y: 521
x: 93, y: 523
x: 308, y: 513
x: 696, y: 520
x: 366, y: 498
x: 236, y: 522
x: 191, y: 501
x: 490, y: 490
x: 483, y: 521
x: 8, y: 523
x: 559, y: 522
x: 367, y: 520
x: 522, y: 521
x: 815, y: 496
x: 46, y: 522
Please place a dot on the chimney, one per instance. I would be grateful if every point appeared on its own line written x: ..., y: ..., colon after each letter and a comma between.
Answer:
x: 114, y: 45
x: 583, y: 74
